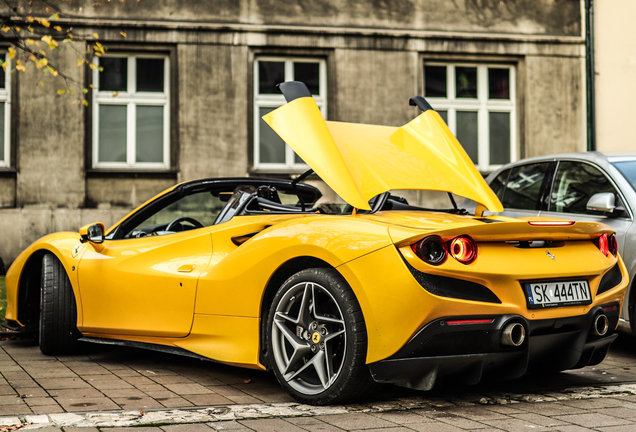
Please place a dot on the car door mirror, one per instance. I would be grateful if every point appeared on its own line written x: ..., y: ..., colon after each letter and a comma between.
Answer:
x: 603, y: 202
x: 93, y: 233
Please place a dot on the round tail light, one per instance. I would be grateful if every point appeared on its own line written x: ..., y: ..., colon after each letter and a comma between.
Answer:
x: 463, y: 249
x: 612, y: 244
x: 603, y: 244
x: 431, y: 249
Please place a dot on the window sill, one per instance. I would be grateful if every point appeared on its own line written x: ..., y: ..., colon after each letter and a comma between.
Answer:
x: 8, y: 173
x: 131, y: 173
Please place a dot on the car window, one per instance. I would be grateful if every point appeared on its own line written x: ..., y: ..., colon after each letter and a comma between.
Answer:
x: 192, y: 211
x: 498, y: 184
x: 574, y: 185
x: 628, y: 169
x: 524, y: 186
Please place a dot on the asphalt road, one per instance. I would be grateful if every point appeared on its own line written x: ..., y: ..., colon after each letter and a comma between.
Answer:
x: 113, y: 388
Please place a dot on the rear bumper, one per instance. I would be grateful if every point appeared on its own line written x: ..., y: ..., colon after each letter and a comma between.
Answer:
x: 468, y: 351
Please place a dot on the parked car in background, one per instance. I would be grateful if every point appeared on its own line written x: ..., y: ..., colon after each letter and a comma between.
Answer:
x: 587, y: 186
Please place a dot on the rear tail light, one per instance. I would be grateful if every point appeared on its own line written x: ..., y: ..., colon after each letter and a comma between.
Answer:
x: 612, y: 244
x: 433, y: 250
x: 463, y: 249
x: 602, y: 243
x: 551, y: 223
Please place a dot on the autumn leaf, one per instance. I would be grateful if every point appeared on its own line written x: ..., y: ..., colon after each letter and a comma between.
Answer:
x: 30, y: 41
x: 85, y: 90
x: 96, y: 35
x: 44, y: 22
x: 123, y: 34
x: 61, y: 91
x: 42, y: 84
x: 92, y: 66
x: 6, y: 29
x: 58, y: 28
x: 50, y: 41
x: 85, y: 102
x: 11, y: 53
x: 29, y: 19
x: 54, y: 16
x: 4, y: 66
x: 115, y: 94
x: 70, y: 90
x: 80, y: 62
x: 20, y: 66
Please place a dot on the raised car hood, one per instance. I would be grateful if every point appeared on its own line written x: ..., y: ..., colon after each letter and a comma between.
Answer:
x: 361, y: 161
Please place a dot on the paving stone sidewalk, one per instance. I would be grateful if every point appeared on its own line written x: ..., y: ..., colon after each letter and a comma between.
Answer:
x: 146, y: 385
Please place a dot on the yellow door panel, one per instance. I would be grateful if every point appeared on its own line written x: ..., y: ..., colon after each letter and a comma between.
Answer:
x: 143, y: 286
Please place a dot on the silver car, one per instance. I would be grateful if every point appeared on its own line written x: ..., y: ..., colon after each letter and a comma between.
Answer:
x: 588, y: 186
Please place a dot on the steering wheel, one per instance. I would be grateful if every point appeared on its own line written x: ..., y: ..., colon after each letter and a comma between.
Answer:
x: 187, y: 219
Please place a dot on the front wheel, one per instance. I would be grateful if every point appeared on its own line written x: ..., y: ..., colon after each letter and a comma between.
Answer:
x: 58, y: 311
x: 317, y: 339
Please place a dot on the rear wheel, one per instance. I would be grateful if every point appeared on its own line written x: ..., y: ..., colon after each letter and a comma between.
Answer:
x: 58, y: 311
x: 317, y: 340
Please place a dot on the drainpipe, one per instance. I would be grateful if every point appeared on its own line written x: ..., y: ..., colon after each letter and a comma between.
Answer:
x: 589, y: 75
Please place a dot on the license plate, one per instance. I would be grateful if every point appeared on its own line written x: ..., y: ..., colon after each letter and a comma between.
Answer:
x: 562, y: 293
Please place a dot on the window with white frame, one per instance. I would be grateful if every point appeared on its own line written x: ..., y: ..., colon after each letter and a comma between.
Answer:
x: 131, y: 112
x: 270, y: 151
x: 478, y: 102
x: 5, y: 114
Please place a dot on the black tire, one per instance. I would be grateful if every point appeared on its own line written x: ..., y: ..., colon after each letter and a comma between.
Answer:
x: 330, y: 337
x: 58, y: 331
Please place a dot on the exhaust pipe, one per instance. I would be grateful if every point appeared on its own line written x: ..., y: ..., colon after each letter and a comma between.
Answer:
x: 601, y: 325
x: 513, y: 334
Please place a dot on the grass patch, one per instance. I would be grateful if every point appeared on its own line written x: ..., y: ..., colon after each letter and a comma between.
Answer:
x: 3, y: 299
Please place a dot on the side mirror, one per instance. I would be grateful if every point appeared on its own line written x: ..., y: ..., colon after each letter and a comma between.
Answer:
x: 604, y: 202
x: 93, y: 233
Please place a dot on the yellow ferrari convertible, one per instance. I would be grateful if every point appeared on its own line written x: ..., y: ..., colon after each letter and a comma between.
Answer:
x: 333, y: 299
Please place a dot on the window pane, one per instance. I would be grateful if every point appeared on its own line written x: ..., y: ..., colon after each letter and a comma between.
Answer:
x: 524, y: 186
x: 499, y: 83
x: 298, y: 159
x: 114, y: 77
x: 149, y: 138
x: 272, y: 147
x: 499, y: 138
x: 2, y: 107
x: 309, y: 73
x: 435, y: 81
x: 574, y: 185
x: 498, y: 185
x: 444, y: 115
x: 628, y: 169
x: 112, y: 133
x: 150, y: 74
x: 467, y: 133
x: 270, y: 74
x: 466, y: 82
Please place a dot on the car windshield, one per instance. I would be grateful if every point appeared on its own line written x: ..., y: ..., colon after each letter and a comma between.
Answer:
x: 628, y: 169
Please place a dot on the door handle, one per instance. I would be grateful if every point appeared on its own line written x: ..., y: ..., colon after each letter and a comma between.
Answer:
x: 186, y: 268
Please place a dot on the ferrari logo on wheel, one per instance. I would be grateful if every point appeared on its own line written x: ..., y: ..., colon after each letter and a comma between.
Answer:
x: 315, y: 337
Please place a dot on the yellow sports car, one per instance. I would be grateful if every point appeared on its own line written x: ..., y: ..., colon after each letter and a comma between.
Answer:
x: 255, y: 273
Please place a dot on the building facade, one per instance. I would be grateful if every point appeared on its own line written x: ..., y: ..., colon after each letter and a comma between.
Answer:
x: 184, y: 85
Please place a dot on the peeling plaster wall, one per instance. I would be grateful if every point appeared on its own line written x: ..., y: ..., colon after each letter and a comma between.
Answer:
x: 374, y: 50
